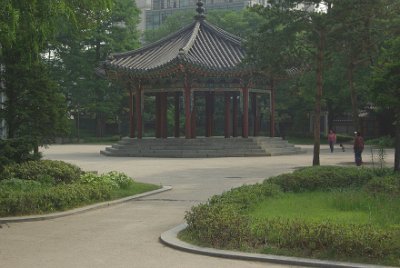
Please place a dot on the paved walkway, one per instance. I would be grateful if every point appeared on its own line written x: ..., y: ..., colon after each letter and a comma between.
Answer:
x: 126, y: 235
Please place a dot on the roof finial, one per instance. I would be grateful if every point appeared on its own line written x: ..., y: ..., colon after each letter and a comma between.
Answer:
x: 200, y: 10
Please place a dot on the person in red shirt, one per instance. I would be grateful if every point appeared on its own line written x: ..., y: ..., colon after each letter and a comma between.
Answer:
x: 358, y: 148
x: 331, y: 139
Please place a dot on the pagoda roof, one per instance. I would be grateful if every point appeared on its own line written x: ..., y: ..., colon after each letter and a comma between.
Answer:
x: 199, y: 47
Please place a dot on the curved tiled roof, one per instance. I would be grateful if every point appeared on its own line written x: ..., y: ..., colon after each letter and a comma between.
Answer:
x: 200, y: 45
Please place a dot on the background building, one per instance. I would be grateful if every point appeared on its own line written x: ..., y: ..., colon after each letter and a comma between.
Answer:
x: 154, y: 12
x: 161, y: 9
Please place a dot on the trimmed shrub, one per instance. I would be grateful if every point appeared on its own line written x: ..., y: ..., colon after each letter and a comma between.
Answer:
x: 58, y: 171
x: 113, y: 179
x: 123, y: 180
x: 247, y: 195
x: 220, y: 225
x: 56, y: 198
x: 224, y: 221
x: 339, y: 239
x: 384, y: 185
x: 324, y: 178
x: 17, y: 150
x: 17, y: 185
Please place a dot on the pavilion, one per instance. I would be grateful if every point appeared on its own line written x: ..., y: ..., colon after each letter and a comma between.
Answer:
x: 198, y: 61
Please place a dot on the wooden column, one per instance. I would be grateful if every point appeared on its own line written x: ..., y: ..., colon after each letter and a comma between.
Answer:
x: 254, y: 112
x: 235, y: 115
x: 193, y: 116
x: 272, y: 112
x: 163, y: 115
x: 209, y: 96
x: 188, y: 111
x: 245, y: 120
x: 131, y: 115
x: 158, y: 115
x: 176, y: 115
x: 227, y: 114
x: 138, y: 99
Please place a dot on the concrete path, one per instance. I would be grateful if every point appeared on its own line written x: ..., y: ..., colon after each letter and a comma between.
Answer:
x: 126, y: 235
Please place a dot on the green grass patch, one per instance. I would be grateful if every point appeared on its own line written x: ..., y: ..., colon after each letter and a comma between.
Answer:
x: 41, y: 199
x: 336, y: 213
x: 38, y: 187
x: 135, y: 188
x: 356, y: 207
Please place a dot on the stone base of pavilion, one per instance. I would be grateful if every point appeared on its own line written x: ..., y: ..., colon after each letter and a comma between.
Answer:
x: 201, y: 147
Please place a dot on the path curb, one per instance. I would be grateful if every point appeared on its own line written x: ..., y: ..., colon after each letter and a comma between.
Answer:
x: 81, y: 209
x: 170, y: 239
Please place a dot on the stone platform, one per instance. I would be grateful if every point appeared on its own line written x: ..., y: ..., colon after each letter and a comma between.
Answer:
x: 201, y: 147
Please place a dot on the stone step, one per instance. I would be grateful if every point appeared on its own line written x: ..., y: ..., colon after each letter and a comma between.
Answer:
x: 201, y: 147
x: 183, y: 153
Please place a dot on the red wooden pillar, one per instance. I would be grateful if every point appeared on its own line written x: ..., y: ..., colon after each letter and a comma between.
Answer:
x: 163, y: 115
x: 131, y: 115
x: 272, y: 116
x: 245, y: 121
x: 158, y: 115
x: 188, y: 111
x: 209, y: 113
x: 138, y: 105
x: 176, y: 116
x: 227, y: 114
x: 193, y: 116
x: 235, y: 114
x: 255, y: 115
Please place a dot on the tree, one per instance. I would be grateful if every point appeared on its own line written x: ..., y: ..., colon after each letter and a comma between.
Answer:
x: 273, y: 48
x: 386, y: 87
x: 240, y: 23
x: 357, y: 36
x: 32, y: 98
x: 8, y: 22
x: 79, y: 52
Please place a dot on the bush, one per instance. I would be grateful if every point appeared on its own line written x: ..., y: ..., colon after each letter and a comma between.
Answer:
x: 113, y: 179
x: 382, y: 142
x: 56, y: 198
x: 17, y: 185
x: 324, y: 178
x: 16, y: 150
x: 220, y: 225
x: 384, y: 185
x: 245, y: 196
x: 225, y: 221
x: 342, y: 138
x: 339, y: 239
x: 57, y: 171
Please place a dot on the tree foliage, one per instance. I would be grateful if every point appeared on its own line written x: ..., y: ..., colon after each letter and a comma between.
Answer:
x: 34, y: 105
x: 386, y: 87
x: 240, y: 23
x: 79, y: 52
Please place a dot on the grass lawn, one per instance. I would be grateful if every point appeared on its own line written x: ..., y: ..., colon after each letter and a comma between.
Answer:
x: 135, y: 188
x: 349, y: 206
x: 334, y: 213
x: 33, y: 198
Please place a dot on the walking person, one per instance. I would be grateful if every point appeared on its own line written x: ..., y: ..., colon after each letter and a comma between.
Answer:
x: 358, y: 148
x: 331, y: 139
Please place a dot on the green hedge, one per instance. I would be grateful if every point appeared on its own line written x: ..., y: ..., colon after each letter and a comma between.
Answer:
x: 43, y: 170
x: 325, y: 178
x: 224, y: 221
x: 49, y: 199
x: 16, y: 150
x: 338, y: 239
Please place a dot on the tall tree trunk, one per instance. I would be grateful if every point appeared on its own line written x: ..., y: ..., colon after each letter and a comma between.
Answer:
x: 397, y: 144
x: 272, y: 115
x: 318, y: 97
x: 353, y: 93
